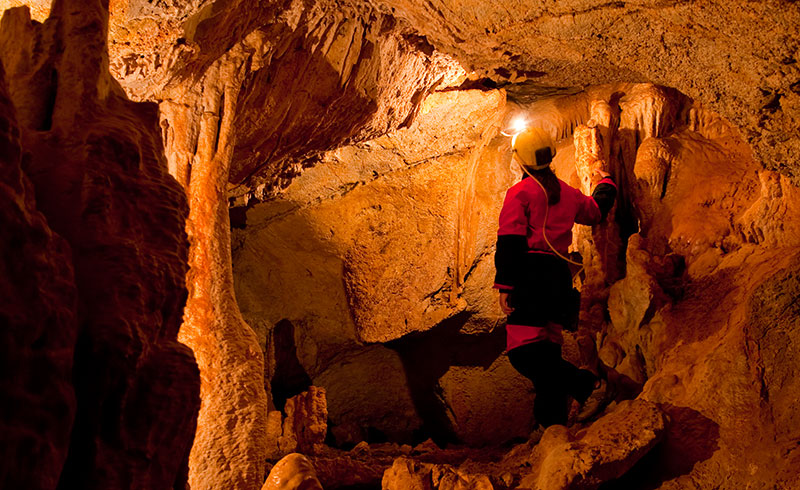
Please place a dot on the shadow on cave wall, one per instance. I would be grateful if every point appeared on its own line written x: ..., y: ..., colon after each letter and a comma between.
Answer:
x: 428, y: 355
x: 691, y: 438
x: 290, y: 378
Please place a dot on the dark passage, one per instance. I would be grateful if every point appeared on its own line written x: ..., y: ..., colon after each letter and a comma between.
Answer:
x: 426, y: 358
x: 290, y: 378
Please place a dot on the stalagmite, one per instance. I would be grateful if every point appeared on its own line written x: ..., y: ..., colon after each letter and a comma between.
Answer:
x: 306, y: 423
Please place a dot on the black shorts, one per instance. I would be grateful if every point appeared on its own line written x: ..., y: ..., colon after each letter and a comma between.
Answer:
x: 543, y: 293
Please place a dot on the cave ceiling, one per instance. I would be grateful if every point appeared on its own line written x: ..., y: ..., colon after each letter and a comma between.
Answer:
x: 739, y: 58
x: 332, y: 72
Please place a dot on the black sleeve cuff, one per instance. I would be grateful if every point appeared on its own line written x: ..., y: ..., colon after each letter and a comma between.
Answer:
x: 508, y: 258
x: 604, y: 195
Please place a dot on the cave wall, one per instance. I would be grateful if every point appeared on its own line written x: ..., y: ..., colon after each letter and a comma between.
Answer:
x: 102, y: 393
x: 738, y: 58
x: 681, y: 316
x: 379, y: 240
x: 40, y: 324
x: 216, y: 122
x: 221, y: 71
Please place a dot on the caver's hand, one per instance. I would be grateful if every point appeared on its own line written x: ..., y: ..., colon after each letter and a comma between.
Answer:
x: 601, y: 173
x: 504, y: 303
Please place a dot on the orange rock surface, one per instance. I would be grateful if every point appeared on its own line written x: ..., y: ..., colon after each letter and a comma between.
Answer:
x: 344, y: 166
x: 293, y: 472
x: 674, y: 161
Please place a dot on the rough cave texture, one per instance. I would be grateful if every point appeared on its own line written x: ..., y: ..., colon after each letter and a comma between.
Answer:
x: 101, y: 393
x: 739, y: 58
x: 344, y: 169
x: 203, y: 116
x: 40, y: 324
x: 667, y: 304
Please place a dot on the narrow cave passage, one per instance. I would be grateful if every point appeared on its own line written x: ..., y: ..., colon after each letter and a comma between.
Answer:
x: 436, y: 360
x: 687, y: 182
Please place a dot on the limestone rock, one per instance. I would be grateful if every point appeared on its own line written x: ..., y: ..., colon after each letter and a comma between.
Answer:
x: 488, y: 406
x: 364, y: 465
x: 274, y: 431
x: 770, y: 218
x: 304, y: 427
x: 39, y: 9
x: 106, y: 190
x: 718, y: 366
x: 632, y: 302
x: 700, y: 50
x: 306, y: 422
x: 388, y: 232
x: 376, y: 187
x: 364, y: 69
x: 608, y: 448
x: 589, y: 150
x: 346, y: 471
x: 234, y: 122
x: 578, y: 44
x: 406, y: 473
x: 38, y: 314
x: 369, y: 394
x: 293, y: 472
x: 311, y: 258
x: 230, y: 445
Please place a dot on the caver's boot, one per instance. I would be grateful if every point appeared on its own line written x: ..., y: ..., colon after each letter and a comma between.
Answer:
x: 597, y: 401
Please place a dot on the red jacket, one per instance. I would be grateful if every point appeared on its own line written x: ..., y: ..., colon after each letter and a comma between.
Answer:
x: 520, y: 232
x: 522, y: 217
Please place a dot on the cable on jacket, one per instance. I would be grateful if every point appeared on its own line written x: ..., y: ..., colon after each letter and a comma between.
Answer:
x: 544, y: 225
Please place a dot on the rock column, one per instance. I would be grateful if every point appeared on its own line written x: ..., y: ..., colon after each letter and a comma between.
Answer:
x: 230, y: 445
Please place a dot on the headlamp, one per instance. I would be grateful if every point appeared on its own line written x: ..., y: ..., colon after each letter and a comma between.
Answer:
x: 518, y: 125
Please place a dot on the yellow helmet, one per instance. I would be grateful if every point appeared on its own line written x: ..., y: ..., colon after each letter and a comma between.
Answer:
x: 534, y: 148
